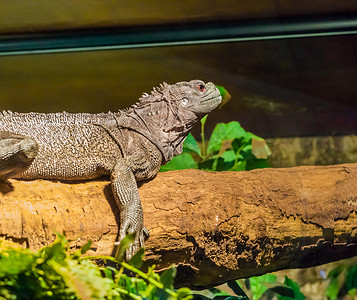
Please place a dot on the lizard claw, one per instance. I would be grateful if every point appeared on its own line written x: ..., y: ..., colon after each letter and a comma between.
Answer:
x: 146, y: 233
x: 135, y: 245
x: 141, y: 235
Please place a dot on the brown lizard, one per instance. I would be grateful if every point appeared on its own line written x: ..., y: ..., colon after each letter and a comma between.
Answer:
x: 129, y: 145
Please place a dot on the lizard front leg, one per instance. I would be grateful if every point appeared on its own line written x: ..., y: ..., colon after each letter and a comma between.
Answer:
x: 16, y: 154
x: 126, y: 194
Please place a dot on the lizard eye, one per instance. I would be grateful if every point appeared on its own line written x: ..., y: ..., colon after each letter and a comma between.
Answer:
x: 201, y: 87
x: 184, y: 102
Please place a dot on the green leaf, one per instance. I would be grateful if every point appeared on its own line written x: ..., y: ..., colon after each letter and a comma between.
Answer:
x: 84, y: 279
x: 190, y: 145
x: 14, y: 262
x: 258, y: 286
x: 252, y: 164
x: 284, y: 292
x: 207, y: 164
x: 225, y: 95
x: 180, y: 162
x: 334, y: 273
x: 137, y: 259
x: 222, y: 90
x: 56, y: 251
x: 226, y: 161
x: 335, y: 283
x: 229, y: 156
x: 351, y: 277
x: 224, y: 132
x: 352, y: 293
x: 238, y: 144
x: 295, y: 289
x: 124, y: 244
x: 107, y: 273
x: 184, y: 294
x: 229, y: 148
x: 167, y: 278
x: 86, y: 247
x: 229, y: 298
x: 333, y: 288
x: 203, y: 120
x: 241, y: 165
x: 236, y: 288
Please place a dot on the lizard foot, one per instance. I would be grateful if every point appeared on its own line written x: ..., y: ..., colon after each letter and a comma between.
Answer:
x: 141, y: 235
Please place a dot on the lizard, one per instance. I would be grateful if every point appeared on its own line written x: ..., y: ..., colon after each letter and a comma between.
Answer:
x: 129, y: 145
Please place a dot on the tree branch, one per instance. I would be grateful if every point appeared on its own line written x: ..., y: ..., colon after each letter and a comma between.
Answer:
x: 215, y: 226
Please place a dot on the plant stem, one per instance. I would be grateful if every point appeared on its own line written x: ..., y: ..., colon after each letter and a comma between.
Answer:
x: 237, y: 157
x: 203, y: 144
x: 143, y: 275
x: 148, y: 278
x: 134, y: 270
x: 103, y: 257
x: 125, y: 292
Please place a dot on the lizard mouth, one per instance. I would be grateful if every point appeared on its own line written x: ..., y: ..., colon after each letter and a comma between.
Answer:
x: 209, y: 103
x: 214, y: 101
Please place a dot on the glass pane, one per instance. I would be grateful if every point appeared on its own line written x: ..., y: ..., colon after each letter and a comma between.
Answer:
x: 279, y: 88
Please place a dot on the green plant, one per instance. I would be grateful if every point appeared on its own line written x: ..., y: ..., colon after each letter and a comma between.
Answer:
x: 229, y: 148
x: 343, y: 281
x: 54, y: 273
x: 262, y: 287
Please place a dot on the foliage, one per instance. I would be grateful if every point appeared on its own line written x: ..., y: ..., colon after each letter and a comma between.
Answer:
x: 54, y: 273
x: 229, y: 148
x: 342, y: 285
x: 343, y: 282
x: 255, y: 288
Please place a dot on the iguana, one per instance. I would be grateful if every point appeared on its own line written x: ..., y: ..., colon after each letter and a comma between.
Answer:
x: 129, y: 145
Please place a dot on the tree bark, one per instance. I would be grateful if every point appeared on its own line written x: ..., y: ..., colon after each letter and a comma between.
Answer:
x: 215, y: 226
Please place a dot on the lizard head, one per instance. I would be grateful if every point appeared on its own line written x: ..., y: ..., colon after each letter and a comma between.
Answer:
x: 170, y: 112
x: 181, y: 104
x: 193, y: 98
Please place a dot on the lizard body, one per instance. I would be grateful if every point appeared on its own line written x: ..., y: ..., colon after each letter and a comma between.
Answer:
x: 129, y: 145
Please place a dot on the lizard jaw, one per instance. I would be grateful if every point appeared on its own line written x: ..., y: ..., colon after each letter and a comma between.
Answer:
x: 207, y: 105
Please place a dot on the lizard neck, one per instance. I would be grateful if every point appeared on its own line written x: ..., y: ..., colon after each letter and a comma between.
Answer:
x: 167, y: 135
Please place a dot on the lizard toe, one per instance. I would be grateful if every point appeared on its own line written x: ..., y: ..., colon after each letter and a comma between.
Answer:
x: 146, y: 233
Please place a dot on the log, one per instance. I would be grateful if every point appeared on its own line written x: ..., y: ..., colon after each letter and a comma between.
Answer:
x: 215, y: 226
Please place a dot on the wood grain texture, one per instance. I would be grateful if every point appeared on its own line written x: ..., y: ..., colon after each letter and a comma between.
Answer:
x: 216, y: 226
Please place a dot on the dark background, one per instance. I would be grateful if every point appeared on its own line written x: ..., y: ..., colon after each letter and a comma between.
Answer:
x: 285, y: 87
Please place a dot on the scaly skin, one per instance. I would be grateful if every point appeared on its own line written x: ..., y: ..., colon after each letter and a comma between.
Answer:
x: 129, y: 145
